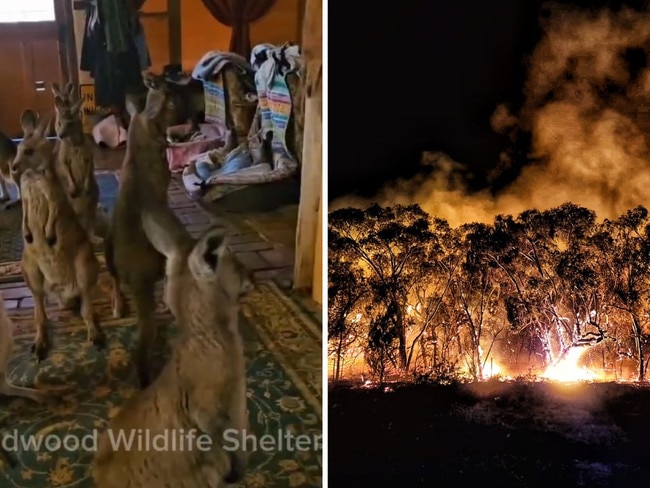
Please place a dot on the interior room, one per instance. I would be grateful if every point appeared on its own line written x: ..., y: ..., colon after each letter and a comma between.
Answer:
x: 156, y: 156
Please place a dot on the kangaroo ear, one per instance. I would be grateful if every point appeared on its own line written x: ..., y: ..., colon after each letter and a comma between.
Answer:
x: 76, y: 106
x: 56, y: 90
x: 153, y: 81
x: 204, y: 259
x: 59, y: 104
x: 42, y: 127
x: 28, y: 121
x: 69, y: 90
x: 156, y: 102
x: 132, y: 104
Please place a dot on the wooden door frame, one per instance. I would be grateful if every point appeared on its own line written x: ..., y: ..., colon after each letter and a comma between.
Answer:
x: 68, y: 48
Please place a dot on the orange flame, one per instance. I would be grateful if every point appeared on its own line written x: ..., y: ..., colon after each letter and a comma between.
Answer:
x: 568, y: 370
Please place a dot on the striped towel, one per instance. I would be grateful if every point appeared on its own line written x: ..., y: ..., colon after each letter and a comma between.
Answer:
x: 215, y: 101
x: 274, y: 96
x: 279, y: 112
x: 272, y: 117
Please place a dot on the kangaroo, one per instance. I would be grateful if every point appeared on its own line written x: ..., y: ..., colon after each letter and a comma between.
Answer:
x: 130, y: 258
x: 203, y: 386
x: 6, y: 351
x: 7, y: 155
x: 58, y: 257
x: 75, y: 159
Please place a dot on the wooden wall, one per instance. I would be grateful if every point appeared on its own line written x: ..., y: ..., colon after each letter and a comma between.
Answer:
x: 26, y: 57
x: 202, y: 33
x: 308, y: 264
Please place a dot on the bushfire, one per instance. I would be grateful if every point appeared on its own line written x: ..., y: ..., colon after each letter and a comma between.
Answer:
x: 546, y: 295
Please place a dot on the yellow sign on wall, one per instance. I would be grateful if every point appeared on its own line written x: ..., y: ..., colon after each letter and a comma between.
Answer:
x: 88, y: 107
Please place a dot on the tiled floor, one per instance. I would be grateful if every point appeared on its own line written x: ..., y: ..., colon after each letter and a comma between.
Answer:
x: 265, y: 216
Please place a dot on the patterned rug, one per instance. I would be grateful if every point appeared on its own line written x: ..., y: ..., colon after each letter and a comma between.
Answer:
x: 283, y: 350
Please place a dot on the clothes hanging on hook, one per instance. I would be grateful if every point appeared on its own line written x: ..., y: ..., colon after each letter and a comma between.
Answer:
x: 114, y: 50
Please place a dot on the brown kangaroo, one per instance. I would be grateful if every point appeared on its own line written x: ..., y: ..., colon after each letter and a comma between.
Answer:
x: 145, y: 177
x: 58, y: 257
x: 8, y: 173
x: 203, y: 386
x: 75, y: 164
x: 6, y: 351
x: 7, y: 155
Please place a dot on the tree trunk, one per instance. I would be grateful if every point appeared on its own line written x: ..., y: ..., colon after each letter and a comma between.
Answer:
x: 337, y: 374
x: 401, y: 332
x: 636, y: 331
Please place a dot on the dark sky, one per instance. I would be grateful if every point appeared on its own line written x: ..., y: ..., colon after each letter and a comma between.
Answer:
x: 414, y: 75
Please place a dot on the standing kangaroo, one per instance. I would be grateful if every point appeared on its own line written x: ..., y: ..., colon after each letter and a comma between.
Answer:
x: 7, y: 155
x: 8, y: 172
x: 58, y: 257
x: 130, y: 258
x: 75, y: 159
x: 203, y: 386
x: 6, y: 351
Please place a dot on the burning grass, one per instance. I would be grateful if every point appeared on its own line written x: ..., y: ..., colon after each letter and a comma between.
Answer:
x: 492, y: 433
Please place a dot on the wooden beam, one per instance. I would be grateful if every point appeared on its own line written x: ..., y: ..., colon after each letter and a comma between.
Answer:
x: 317, y: 280
x: 67, y: 46
x: 175, y: 36
x: 307, y: 246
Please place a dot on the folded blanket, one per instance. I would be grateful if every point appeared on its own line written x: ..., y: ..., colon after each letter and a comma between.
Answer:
x: 211, y: 64
x: 213, y: 165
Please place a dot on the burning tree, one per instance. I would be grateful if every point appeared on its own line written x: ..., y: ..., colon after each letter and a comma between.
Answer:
x: 392, y: 243
x: 475, y: 291
x: 625, y: 253
x: 346, y: 288
x: 424, y: 297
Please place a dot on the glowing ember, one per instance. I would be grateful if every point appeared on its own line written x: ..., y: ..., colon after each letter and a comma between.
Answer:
x: 568, y: 369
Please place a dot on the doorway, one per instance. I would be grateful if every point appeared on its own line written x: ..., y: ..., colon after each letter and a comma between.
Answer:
x: 36, y: 50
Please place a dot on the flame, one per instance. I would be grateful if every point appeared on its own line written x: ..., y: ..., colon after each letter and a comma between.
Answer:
x: 568, y: 370
x: 491, y: 369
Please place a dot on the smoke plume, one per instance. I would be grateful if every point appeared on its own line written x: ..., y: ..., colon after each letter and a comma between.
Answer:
x: 587, y: 110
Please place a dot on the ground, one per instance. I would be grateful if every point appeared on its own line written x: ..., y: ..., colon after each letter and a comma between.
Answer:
x: 491, y: 434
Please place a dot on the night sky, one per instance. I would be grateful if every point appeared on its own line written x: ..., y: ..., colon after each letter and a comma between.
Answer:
x: 415, y: 75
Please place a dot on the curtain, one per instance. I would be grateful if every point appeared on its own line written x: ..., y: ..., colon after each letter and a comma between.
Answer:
x: 238, y: 14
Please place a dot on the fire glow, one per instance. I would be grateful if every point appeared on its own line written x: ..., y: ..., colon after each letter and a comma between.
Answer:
x: 568, y: 370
